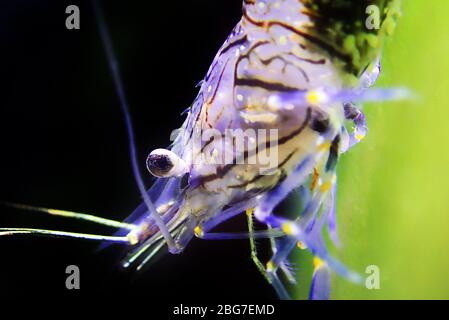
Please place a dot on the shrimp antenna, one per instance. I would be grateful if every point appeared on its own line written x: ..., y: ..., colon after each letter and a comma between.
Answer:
x: 63, y: 234
x: 72, y: 215
x: 128, y: 239
x: 114, y: 67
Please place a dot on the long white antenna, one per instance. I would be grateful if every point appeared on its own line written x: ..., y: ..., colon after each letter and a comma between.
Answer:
x: 113, y: 64
x: 73, y: 215
x: 63, y: 234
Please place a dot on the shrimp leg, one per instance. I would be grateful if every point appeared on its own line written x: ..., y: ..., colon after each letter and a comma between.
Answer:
x: 360, y: 127
x: 287, y: 272
x: 309, y: 234
x: 307, y: 222
x: 252, y: 242
x: 263, y: 234
x: 260, y: 266
x: 271, y: 277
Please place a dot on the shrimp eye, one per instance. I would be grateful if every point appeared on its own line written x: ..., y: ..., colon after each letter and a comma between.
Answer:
x: 163, y: 163
x: 159, y: 165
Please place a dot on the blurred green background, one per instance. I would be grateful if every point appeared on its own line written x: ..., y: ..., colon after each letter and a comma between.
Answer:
x: 393, y: 202
x: 393, y: 198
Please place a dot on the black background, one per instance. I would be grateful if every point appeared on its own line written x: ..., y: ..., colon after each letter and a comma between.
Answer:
x: 63, y: 142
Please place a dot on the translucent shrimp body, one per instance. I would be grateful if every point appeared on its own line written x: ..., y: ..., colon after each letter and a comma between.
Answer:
x: 275, y: 75
x: 247, y: 89
x: 270, y: 118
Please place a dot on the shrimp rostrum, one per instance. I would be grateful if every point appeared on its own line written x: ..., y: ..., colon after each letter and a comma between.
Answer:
x: 274, y: 113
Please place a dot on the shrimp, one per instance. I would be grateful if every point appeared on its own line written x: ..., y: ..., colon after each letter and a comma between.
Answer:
x: 270, y: 117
